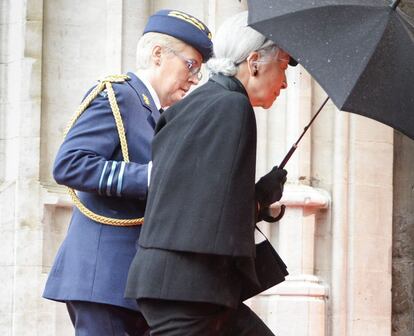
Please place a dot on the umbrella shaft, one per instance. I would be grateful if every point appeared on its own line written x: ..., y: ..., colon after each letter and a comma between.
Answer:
x: 287, y: 157
x: 293, y: 148
x: 395, y: 4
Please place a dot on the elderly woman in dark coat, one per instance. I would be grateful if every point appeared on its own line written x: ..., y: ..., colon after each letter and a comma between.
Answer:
x: 196, y: 250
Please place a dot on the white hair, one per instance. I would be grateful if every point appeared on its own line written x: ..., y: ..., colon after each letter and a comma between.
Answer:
x: 233, y: 43
x: 146, y: 44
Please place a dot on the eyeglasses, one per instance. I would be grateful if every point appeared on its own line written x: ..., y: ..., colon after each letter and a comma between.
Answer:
x: 190, y: 64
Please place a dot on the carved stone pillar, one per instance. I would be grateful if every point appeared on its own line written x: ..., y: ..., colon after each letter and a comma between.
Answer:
x: 296, y: 306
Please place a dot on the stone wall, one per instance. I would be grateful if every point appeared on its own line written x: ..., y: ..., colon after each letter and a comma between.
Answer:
x: 350, y: 182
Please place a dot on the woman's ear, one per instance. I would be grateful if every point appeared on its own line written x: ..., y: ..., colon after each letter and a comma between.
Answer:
x: 252, y: 63
x: 156, y: 55
x: 255, y: 70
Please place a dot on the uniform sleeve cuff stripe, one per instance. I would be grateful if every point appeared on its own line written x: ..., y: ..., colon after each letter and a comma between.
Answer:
x: 102, y: 177
x: 110, y: 178
x: 120, y: 177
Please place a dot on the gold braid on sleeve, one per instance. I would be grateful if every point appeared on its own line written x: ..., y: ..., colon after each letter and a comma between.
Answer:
x: 105, y: 83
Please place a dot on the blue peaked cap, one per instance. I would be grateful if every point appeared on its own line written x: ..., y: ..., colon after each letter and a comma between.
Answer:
x: 183, y: 27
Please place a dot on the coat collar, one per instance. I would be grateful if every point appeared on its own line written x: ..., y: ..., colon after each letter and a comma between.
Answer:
x: 230, y: 83
x: 144, y: 95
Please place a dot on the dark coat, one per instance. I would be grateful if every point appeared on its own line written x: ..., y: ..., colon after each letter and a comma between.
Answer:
x: 197, y: 242
x: 202, y: 187
x: 93, y: 260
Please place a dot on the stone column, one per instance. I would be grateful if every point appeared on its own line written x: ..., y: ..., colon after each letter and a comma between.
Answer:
x: 403, y: 229
x: 8, y: 55
x: 296, y: 306
x: 360, y: 301
x: 19, y: 192
x: 340, y: 227
x: 135, y: 16
x: 113, y: 50
x: 403, y: 238
x: 370, y: 231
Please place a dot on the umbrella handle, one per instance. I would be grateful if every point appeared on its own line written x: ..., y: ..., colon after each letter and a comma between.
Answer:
x: 270, y: 219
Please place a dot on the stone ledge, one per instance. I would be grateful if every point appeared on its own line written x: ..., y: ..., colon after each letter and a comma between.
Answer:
x: 300, y: 285
x: 304, y: 196
x: 53, y: 194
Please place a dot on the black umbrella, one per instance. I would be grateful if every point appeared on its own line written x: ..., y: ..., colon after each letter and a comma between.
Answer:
x: 360, y: 51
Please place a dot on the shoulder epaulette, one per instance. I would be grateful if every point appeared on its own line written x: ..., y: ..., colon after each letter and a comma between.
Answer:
x: 115, y: 78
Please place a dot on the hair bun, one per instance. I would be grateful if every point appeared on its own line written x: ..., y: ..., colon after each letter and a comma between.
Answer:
x: 224, y: 66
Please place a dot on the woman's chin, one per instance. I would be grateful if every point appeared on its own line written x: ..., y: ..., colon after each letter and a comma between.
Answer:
x: 267, y: 105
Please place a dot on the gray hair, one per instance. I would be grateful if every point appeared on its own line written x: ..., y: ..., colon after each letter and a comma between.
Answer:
x: 146, y: 44
x: 233, y: 43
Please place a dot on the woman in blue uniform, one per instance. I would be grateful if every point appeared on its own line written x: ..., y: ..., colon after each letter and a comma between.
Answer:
x: 90, y: 270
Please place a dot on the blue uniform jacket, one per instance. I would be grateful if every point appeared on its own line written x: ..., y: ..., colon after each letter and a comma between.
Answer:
x: 93, y: 261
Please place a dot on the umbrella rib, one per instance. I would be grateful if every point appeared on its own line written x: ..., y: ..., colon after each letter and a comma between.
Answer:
x: 408, y: 19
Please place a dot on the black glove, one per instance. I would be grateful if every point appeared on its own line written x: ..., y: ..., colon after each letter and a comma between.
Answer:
x: 269, y: 188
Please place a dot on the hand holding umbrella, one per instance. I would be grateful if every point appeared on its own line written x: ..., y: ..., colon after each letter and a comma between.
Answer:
x: 269, y: 189
x: 270, y: 186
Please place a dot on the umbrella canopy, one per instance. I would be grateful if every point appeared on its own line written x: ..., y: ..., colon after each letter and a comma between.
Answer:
x: 360, y: 51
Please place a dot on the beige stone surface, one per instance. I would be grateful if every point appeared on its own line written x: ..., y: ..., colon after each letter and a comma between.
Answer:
x: 292, y: 315
x: 336, y: 236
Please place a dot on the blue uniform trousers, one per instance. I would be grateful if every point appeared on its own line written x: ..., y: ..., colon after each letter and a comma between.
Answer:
x: 97, y: 319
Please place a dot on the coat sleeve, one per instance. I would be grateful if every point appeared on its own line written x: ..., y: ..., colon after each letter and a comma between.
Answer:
x: 88, y: 160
